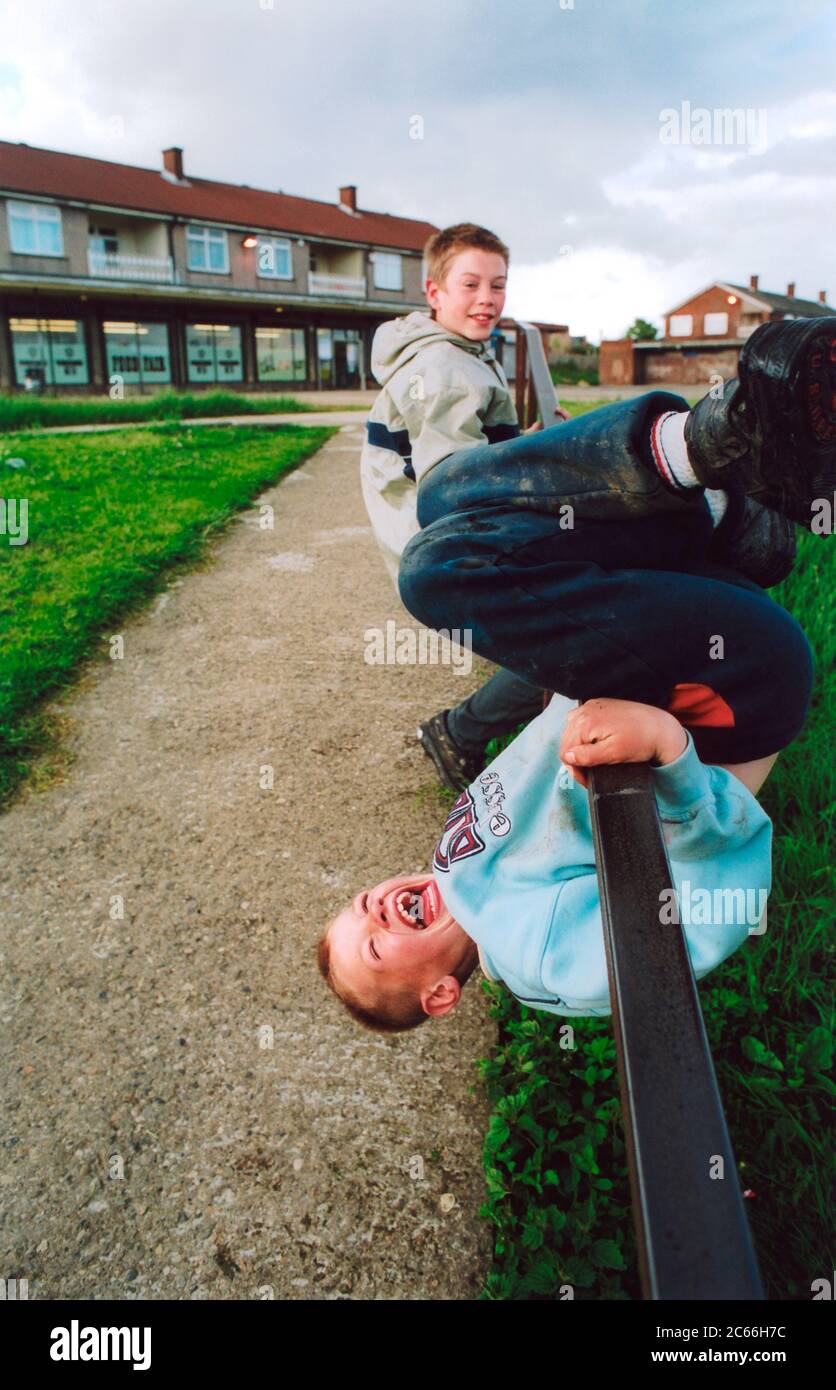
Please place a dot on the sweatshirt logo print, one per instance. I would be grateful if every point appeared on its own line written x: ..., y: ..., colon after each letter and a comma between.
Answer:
x: 494, y: 794
x: 459, y: 838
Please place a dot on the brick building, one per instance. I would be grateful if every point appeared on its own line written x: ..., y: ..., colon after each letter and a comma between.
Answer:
x: 703, y: 336
x: 158, y: 277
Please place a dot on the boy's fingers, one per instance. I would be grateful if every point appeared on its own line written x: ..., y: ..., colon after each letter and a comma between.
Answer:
x: 583, y: 755
x: 588, y: 754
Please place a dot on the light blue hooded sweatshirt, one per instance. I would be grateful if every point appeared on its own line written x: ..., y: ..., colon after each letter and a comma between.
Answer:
x: 516, y: 867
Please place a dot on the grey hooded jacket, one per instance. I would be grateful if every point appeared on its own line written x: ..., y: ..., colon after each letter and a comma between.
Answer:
x: 441, y: 393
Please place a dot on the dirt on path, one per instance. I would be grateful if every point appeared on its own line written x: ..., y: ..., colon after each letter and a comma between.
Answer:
x: 188, y: 1113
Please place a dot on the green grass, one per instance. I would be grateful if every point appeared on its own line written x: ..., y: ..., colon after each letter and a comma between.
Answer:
x: 572, y: 373
x: 41, y: 412
x: 110, y: 516
x: 555, y: 1161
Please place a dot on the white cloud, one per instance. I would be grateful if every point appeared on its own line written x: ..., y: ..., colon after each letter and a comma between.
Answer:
x: 601, y: 289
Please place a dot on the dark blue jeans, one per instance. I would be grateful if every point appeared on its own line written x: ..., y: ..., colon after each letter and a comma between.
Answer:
x: 624, y: 601
x: 496, y: 708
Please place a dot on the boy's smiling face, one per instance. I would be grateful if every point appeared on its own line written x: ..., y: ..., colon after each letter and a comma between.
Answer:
x: 378, y: 948
x: 472, y: 298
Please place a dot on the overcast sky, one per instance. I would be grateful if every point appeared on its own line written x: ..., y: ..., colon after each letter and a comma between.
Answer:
x: 541, y: 119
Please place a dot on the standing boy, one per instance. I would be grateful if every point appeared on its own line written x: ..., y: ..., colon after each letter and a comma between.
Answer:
x: 444, y: 390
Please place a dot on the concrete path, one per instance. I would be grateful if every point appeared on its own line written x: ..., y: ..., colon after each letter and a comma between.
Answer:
x: 332, y: 418
x: 187, y: 1111
x: 357, y: 405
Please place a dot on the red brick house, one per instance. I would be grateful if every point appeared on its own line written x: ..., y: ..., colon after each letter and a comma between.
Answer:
x: 703, y: 335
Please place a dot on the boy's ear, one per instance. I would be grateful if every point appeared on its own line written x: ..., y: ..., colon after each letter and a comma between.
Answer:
x: 443, y: 999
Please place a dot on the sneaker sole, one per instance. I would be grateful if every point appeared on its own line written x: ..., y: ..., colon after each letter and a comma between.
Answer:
x: 432, y: 751
x: 795, y: 413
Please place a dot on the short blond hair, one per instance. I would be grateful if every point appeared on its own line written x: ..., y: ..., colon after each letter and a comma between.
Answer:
x: 444, y: 246
x: 396, y: 1016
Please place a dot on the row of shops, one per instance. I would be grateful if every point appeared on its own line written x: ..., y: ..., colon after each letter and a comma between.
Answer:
x: 81, y: 348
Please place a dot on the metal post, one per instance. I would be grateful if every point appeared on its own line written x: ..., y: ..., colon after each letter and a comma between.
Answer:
x: 520, y: 375
x: 691, y: 1227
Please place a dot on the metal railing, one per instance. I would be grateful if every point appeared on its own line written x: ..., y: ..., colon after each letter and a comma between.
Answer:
x: 691, y: 1227
x: 692, y: 1232
x: 342, y: 286
x: 535, y: 393
x: 111, y: 265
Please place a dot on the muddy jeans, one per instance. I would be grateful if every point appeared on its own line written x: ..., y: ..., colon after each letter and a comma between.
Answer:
x: 496, y: 708
x: 616, y: 596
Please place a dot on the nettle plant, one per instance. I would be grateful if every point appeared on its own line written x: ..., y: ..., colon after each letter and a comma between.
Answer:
x: 555, y: 1160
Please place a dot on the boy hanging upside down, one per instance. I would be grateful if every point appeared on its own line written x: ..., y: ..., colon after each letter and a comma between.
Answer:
x: 675, y: 659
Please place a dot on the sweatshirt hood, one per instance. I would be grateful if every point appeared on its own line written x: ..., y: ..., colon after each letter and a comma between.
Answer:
x: 398, y: 340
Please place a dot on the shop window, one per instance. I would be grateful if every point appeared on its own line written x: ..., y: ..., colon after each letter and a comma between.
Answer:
x: 213, y: 352
x: 49, y: 352
x: 280, y: 354
x: 137, y: 352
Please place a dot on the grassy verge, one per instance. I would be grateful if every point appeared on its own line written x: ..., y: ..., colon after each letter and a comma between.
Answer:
x: 109, y: 516
x: 575, y: 373
x: 28, y: 412
x: 555, y: 1161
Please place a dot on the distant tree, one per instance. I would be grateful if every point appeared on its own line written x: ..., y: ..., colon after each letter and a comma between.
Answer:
x: 642, y: 330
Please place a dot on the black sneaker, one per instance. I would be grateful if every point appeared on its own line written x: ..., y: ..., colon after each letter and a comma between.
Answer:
x: 755, y: 541
x: 772, y: 434
x: 456, y: 766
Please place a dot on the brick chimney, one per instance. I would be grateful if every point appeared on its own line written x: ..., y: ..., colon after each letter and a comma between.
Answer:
x: 822, y: 296
x: 791, y: 290
x: 348, y: 197
x: 753, y: 282
x: 173, y: 162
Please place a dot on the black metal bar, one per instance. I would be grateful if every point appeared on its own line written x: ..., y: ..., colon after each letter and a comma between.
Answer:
x: 691, y: 1226
x: 520, y: 377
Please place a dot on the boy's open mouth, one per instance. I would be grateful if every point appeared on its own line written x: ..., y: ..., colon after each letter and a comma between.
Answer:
x: 416, y: 907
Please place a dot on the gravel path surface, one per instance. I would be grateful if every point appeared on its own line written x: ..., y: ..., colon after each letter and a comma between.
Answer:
x: 187, y: 1110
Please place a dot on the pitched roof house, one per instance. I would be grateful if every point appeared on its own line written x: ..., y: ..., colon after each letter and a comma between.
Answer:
x: 703, y: 335
x: 156, y: 276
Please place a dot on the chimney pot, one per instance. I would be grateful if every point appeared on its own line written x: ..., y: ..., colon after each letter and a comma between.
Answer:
x: 791, y: 290
x: 348, y: 196
x: 173, y: 161
x: 753, y: 282
x: 822, y: 296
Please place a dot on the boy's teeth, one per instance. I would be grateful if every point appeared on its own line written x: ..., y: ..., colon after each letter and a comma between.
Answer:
x: 411, y: 906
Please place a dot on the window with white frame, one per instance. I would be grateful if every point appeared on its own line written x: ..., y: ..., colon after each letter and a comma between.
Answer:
x: 715, y: 323
x: 274, y: 259
x: 35, y: 229
x: 682, y: 325
x: 206, y: 249
x: 388, y: 272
